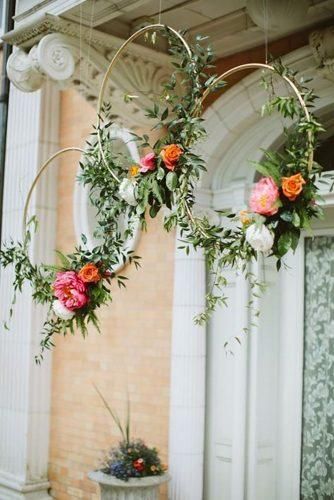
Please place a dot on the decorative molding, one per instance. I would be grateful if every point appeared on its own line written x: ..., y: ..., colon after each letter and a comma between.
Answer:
x: 51, y: 58
x: 79, y: 57
x: 89, y: 12
x: 322, y: 45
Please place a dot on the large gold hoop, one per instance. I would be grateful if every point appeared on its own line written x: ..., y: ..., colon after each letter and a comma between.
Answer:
x: 132, y: 38
x: 137, y: 34
x: 119, y: 52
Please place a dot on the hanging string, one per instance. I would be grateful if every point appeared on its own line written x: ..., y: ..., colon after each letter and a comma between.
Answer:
x: 80, y: 44
x: 92, y: 12
x: 160, y: 9
x: 265, y: 24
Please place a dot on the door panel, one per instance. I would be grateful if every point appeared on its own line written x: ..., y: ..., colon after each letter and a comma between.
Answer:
x: 317, y: 471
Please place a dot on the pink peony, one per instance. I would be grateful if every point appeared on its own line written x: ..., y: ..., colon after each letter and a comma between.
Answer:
x: 147, y: 162
x: 264, y: 197
x: 70, y: 290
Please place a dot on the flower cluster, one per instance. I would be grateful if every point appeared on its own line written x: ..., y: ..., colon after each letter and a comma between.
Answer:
x: 168, y: 158
x: 133, y: 459
x: 279, y: 208
x: 73, y: 289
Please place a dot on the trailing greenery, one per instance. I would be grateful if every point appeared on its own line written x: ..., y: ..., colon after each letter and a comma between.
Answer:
x: 167, y: 176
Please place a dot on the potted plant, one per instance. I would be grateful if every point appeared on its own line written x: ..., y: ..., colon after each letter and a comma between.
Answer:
x: 131, y: 470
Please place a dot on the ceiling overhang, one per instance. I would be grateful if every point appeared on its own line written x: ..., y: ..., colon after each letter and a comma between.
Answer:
x: 73, y: 41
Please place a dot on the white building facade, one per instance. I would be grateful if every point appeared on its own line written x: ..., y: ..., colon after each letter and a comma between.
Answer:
x: 236, y: 423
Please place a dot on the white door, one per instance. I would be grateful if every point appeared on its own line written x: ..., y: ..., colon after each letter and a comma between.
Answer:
x: 255, y: 397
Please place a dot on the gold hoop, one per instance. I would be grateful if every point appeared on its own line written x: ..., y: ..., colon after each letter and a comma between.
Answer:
x: 137, y: 34
x: 119, y: 52
x: 151, y: 27
x: 242, y: 67
x: 39, y: 174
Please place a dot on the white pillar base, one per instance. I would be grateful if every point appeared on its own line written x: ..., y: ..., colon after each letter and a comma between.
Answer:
x: 12, y: 489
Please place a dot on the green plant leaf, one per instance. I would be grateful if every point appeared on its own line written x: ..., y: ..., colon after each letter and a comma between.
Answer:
x: 284, y: 243
x: 160, y: 174
x: 171, y: 181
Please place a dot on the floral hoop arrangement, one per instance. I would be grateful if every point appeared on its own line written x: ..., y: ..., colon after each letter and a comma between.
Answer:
x: 281, y: 204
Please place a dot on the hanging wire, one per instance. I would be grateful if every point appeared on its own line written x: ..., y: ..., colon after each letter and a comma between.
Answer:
x: 92, y: 12
x: 266, y: 25
x: 160, y: 9
x: 80, y: 44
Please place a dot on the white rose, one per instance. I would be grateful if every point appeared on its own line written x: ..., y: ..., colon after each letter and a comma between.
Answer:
x: 260, y: 238
x: 61, y: 311
x: 127, y: 191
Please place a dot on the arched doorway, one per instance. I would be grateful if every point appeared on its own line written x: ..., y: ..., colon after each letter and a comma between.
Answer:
x: 254, y: 401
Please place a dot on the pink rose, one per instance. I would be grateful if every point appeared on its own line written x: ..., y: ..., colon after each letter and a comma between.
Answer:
x: 264, y: 197
x: 70, y: 290
x: 147, y: 162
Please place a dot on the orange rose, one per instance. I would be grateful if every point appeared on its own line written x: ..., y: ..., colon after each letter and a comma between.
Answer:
x: 292, y: 186
x: 171, y: 155
x: 90, y: 273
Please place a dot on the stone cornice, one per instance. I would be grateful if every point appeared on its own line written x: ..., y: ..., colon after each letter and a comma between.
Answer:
x: 28, y: 35
x: 73, y: 55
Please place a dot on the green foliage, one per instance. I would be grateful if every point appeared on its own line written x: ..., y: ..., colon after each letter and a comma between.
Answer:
x: 176, y: 111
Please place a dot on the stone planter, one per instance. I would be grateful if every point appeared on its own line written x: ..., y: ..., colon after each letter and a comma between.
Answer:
x: 146, y: 488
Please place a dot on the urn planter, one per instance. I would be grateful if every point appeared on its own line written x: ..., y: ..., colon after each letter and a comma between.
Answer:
x: 145, y: 488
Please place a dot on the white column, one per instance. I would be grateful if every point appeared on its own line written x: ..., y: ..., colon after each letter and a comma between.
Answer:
x: 24, y: 386
x: 187, y: 407
x: 240, y: 386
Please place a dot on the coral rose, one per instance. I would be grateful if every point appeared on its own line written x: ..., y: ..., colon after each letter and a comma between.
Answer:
x: 264, y: 197
x: 171, y: 155
x: 292, y: 186
x: 70, y: 290
x: 147, y: 162
x: 89, y: 273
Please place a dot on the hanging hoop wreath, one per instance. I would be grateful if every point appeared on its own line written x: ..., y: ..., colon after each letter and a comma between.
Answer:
x: 281, y: 204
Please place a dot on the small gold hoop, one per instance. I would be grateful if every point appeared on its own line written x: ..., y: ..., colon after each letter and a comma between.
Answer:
x: 298, y: 95
x: 39, y: 174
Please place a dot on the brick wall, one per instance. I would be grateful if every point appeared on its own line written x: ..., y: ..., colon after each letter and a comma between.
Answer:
x: 132, y: 353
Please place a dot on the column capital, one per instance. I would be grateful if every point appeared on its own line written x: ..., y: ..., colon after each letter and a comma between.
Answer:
x: 77, y: 56
x: 51, y: 58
